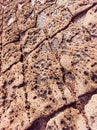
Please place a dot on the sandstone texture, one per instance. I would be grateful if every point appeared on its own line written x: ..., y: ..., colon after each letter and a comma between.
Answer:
x: 48, y: 65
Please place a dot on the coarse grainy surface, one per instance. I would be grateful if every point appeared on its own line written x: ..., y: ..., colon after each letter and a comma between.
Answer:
x: 48, y: 64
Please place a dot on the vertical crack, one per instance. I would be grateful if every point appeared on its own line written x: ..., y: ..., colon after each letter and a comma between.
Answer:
x: 22, y: 58
x: 2, y: 4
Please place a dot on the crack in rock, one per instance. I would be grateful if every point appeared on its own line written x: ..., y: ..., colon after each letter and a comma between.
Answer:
x: 48, y: 64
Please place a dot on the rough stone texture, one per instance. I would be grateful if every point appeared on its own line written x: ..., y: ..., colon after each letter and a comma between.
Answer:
x: 64, y: 120
x: 54, y: 19
x: 26, y: 17
x: 69, y: 119
x: 81, y: 66
x: 44, y: 84
x: 48, y: 64
x: 1, y: 29
x: 33, y: 38
x: 91, y: 112
x: 10, y: 55
x: 90, y: 21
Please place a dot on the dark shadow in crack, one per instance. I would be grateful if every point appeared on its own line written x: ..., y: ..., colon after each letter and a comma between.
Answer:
x: 78, y: 18
x: 38, y: 124
x: 84, y: 99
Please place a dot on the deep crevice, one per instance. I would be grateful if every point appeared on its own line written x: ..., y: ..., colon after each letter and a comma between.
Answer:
x: 73, y: 18
x: 40, y: 123
x: 10, y: 67
x: 83, y: 12
x: 86, y: 97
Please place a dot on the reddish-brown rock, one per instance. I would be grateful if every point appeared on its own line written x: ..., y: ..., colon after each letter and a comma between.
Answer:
x: 48, y: 64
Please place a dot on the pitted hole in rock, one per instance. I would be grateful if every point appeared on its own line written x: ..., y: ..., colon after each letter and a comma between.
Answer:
x: 94, y: 77
x: 86, y: 73
x: 68, y: 75
x: 94, y: 64
x: 21, y: 58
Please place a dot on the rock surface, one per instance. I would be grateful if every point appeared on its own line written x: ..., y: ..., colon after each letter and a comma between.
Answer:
x: 48, y: 65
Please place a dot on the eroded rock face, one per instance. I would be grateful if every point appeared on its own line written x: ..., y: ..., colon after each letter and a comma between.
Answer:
x: 48, y: 62
x: 90, y: 21
x: 64, y: 120
x: 69, y: 119
x: 91, y: 112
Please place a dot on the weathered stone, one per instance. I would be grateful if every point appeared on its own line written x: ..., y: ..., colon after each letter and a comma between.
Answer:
x: 26, y: 17
x: 10, y: 34
x: 54, y: 19
x: 67, y: 120
x: 32, y: 39
x: 44, y: 79
x: 11, y: 54
x: 48, y: 64
x: 90, y: 21
x: 91, y: 112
